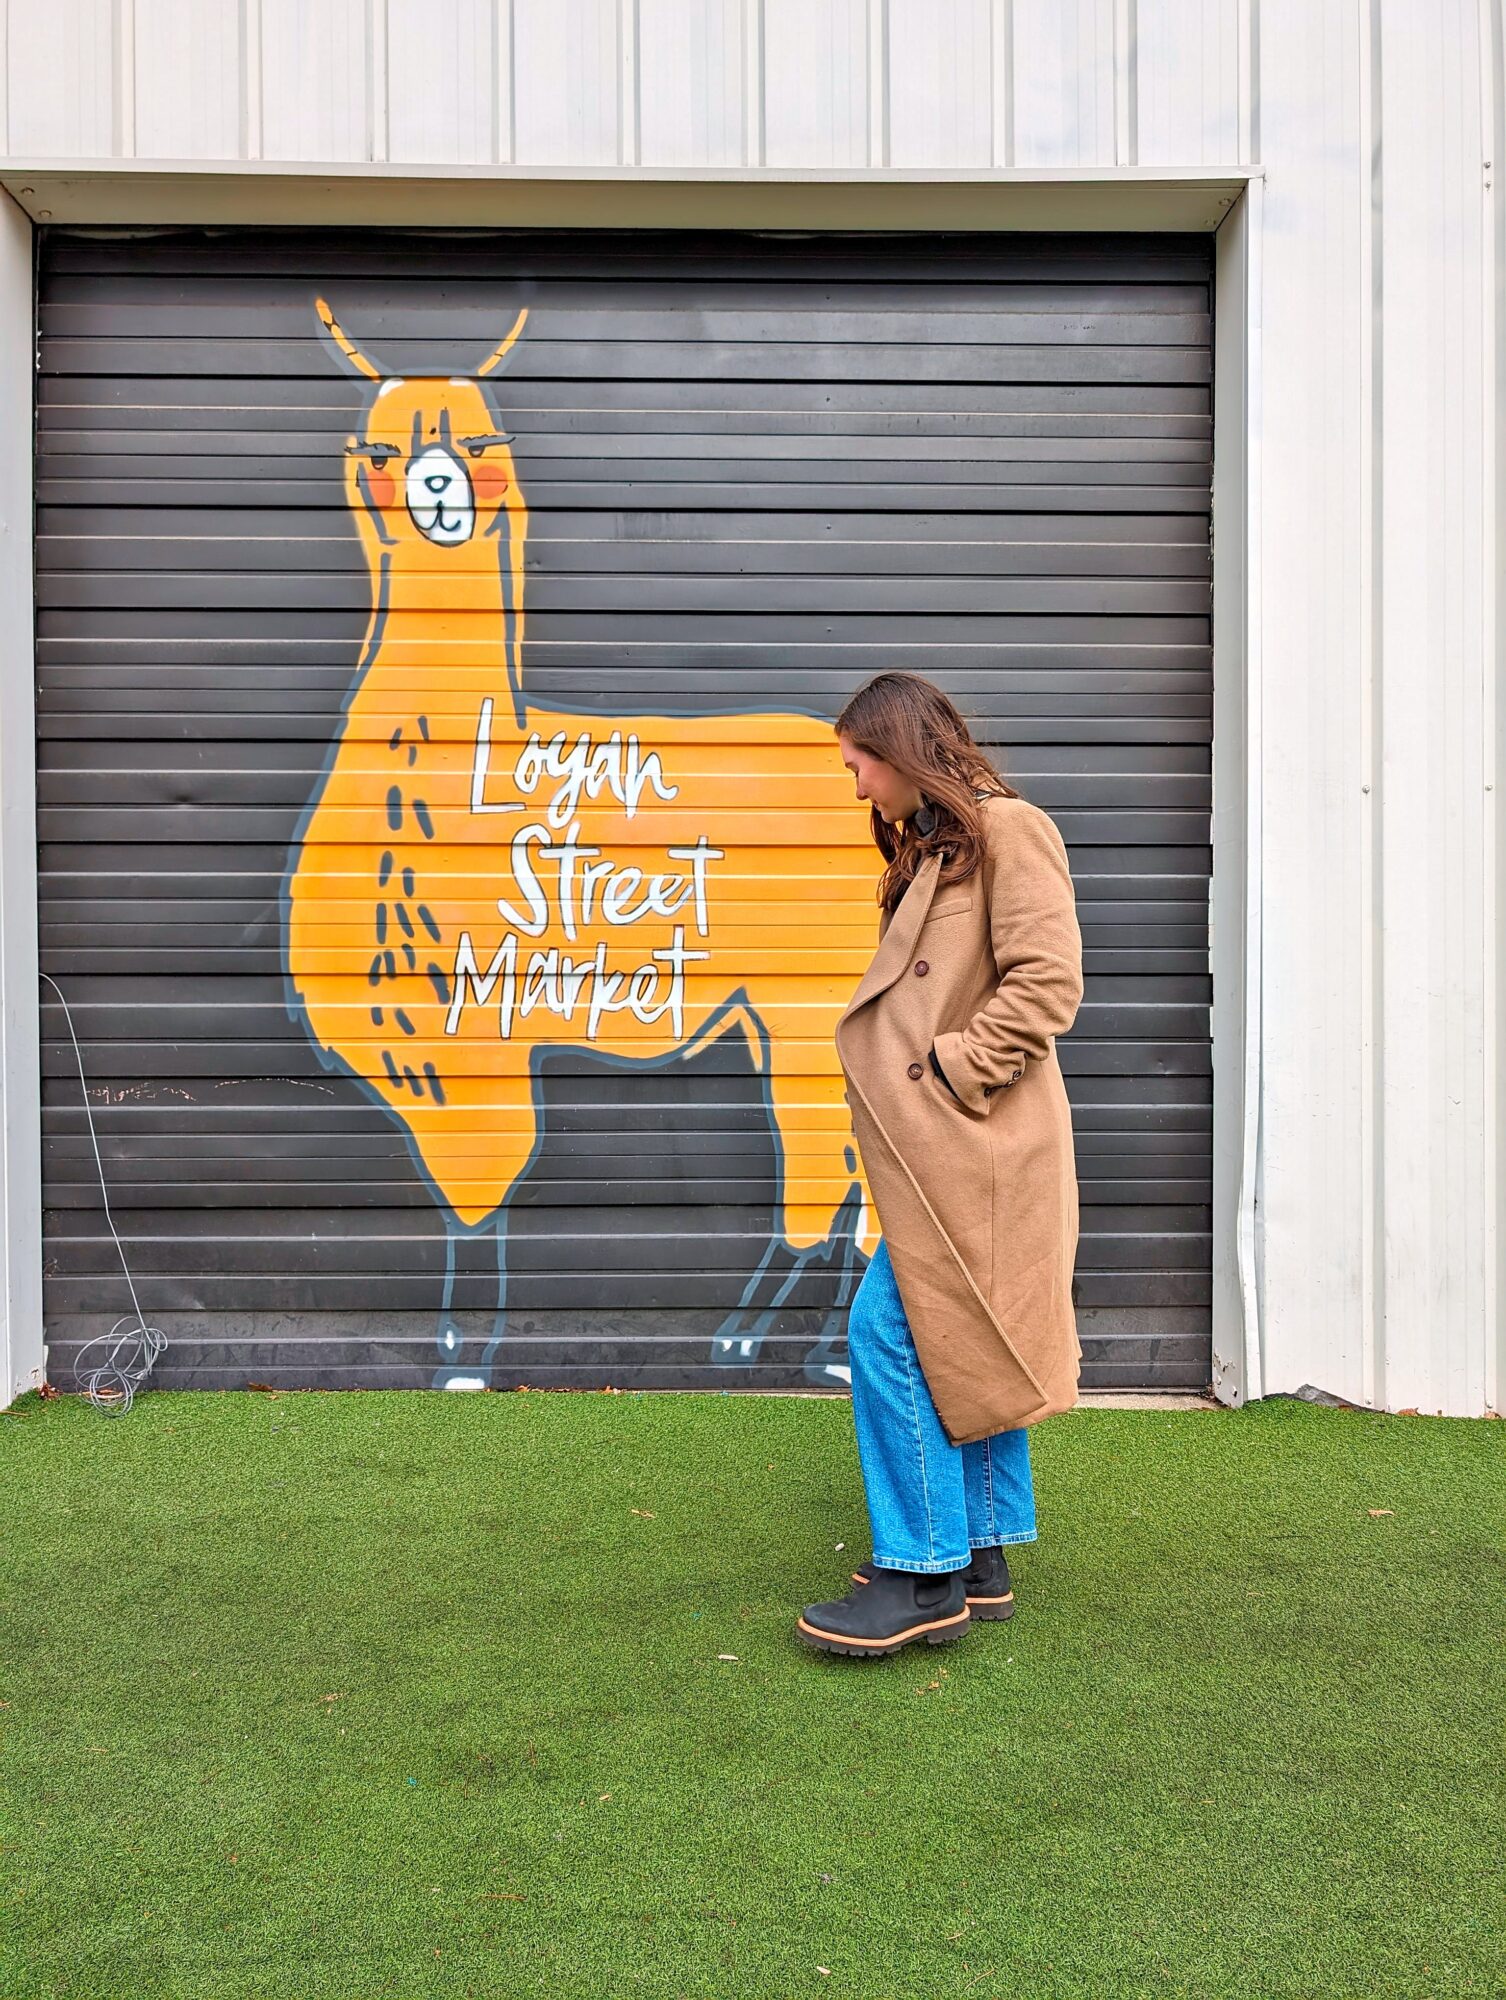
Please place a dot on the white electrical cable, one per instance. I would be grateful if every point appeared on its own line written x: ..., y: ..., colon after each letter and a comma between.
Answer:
x: 131, y: 1348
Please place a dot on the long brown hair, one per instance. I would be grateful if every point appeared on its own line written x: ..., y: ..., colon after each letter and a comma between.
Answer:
x: 912, y: 725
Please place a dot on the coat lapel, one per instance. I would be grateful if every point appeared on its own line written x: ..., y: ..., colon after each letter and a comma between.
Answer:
x: 898, y: 941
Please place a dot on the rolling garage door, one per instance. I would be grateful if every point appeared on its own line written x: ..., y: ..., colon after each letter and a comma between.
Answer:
x: 529, y: 538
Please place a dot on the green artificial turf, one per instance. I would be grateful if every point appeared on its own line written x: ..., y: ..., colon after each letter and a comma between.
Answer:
x: 387, y: 1694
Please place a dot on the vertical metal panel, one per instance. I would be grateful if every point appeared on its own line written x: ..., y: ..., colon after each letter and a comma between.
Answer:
x: 940, y: 70
x: 441, y: 70
x: 812, y: 83
x: 816, y: 58
x: 315, y: 80
x: 1434, y: 984
x: 60, y: 79
x: 1381, y: 1181
x: 1188, y: 70
x: 566, y: 109
x: 1063, y: 83
x: 1316, y: 661
x: 187, y: 70
x: 690, y: 70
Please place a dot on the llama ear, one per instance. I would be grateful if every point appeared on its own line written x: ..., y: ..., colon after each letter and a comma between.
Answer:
x: 499, y: 354
x: 349, y: 353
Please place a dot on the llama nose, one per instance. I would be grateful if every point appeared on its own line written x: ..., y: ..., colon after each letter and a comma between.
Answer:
x: 440, y: 500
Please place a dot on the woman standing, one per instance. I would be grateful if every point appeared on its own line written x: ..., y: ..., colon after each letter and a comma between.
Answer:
x: 962, y: 1332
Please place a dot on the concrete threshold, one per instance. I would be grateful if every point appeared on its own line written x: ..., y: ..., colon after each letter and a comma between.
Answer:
x: 1101, y: 1399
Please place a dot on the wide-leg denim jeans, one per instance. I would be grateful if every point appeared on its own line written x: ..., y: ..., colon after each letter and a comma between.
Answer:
x: 930, y: 1502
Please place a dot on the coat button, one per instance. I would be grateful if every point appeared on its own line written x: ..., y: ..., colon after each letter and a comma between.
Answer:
x: 921, y: 968
x: 917, y: 1069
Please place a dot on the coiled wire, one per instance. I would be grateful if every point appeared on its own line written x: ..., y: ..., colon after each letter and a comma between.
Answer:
x: 130, y: 1350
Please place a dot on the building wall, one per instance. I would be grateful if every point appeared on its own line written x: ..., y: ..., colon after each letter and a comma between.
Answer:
x: 1377, y: 466
x: 666, y: 83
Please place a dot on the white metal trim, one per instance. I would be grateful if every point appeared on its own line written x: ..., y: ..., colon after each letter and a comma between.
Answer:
x: 1235, y: 893
x: 1493, y: 123
x: 22, y: 1355
x: 151, y: 193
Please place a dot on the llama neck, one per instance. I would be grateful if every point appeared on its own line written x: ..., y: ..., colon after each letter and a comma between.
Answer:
x: 471, y: 587
x: 446, y: 621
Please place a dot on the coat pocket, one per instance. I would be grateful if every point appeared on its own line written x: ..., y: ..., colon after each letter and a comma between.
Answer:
x: 940, y: 909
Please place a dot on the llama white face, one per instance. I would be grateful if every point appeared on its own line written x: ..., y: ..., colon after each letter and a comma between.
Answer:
x: 440, y: 501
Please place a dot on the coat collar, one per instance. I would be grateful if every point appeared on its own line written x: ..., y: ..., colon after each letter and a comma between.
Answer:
x: 895, y: 946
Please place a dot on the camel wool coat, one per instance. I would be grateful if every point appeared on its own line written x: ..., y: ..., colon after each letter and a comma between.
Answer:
x: 976, y: 1193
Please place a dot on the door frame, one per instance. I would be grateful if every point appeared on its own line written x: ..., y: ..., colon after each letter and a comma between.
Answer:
x: 1225, y: 204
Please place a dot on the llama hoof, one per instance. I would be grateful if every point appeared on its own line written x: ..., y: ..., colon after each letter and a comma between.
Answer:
x: 740, y: 1350
x: 828, y: 1374
x: 458, y: 1378
x: 826, y: 1365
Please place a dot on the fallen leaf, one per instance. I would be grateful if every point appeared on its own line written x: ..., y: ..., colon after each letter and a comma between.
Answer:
x: 1376, y: 1513
x: 643, y: 1513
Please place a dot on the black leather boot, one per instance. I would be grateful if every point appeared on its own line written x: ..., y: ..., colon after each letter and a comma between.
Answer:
x: 898, y: 1607
x: 990, y: 1593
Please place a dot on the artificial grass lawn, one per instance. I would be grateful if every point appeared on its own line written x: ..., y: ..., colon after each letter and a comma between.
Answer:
x: 406, y: 1694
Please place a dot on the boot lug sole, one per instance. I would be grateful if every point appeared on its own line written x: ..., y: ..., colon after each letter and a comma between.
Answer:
x: 824, y: 1642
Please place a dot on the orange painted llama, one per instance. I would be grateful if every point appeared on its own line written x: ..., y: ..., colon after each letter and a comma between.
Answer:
x: 477, y: 878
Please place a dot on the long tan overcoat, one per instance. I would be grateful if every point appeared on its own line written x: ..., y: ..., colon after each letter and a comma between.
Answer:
x: 977, y: 1198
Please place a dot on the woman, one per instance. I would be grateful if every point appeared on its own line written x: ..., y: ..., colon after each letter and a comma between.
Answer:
x: 962, y: 1332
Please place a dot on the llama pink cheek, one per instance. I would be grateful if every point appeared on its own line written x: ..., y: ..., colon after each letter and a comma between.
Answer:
x: 490, y: 481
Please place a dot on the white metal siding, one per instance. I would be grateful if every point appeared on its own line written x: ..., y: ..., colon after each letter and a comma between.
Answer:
x: 670, y: 83
x: 1377, y: 432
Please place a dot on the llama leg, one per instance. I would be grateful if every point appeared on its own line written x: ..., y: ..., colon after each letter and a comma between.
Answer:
x: 499, y: 1314
x: 475, y: 1267
x: 455, y: 1370
x: 826, y: 1365
x: 827, y: 1206
x: 820, y: 1173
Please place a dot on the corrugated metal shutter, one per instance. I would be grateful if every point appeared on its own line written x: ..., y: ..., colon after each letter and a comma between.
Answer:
x: 758, y: 469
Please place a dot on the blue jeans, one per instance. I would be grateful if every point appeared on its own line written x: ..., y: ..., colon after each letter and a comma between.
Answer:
x: 930, y: 1502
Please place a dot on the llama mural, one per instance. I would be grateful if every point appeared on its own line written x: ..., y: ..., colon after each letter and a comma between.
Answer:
x: 477, y: 879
